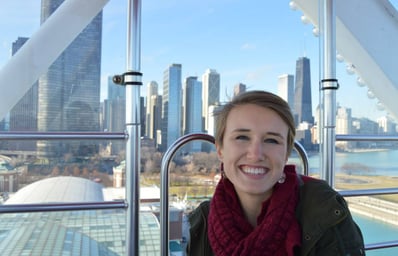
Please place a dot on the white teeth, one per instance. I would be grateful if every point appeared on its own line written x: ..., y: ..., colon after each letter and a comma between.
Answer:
x: 254, y: 170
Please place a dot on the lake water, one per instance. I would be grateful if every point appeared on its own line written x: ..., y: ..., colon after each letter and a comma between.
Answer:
x: 375, y: 231
x: 377, y: 162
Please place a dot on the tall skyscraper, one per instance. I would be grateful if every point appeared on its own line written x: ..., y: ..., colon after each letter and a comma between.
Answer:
x: 171, y: 112
x: 210, y: 94
x: 302, y: 96
x: 286, y: 89
x: 155, y: 115
x: 69, y: 93
x: 23, y: 116
x: 192, y: 105
x: 192, y: 113
x: 152, y: 93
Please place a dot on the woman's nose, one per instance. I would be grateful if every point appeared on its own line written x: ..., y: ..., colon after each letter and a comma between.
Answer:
x: 256, y: 151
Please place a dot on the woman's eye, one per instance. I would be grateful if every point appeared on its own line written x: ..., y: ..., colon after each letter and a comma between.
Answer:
x: 270, y: 140
x: 242, y: 137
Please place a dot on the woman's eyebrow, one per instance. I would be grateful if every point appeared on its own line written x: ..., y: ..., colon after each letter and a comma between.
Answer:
x: 277, y: 134
x: 241, y: 130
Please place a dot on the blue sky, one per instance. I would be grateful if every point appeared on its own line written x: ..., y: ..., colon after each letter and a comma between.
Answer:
x: 250, y: 42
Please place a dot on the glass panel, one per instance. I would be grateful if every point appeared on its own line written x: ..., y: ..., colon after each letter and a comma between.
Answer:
x: 99, y: 232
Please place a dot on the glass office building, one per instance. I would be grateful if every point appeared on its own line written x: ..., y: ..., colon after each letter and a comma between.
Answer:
x: 69, y: 93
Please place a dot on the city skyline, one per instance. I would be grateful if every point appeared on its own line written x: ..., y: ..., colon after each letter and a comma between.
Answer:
x: 298, y: 85
x: 255, y: 52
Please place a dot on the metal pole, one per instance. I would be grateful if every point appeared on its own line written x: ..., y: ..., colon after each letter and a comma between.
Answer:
x: 132, y: 80
x: 328, y: 86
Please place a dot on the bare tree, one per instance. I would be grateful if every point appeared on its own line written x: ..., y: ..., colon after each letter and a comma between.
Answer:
x: 85, y: 173
x: 205, y: 162
x: 55, y: 171
x: 76, y: 171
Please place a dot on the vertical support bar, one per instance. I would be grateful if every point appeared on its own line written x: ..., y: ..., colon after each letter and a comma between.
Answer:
x: 328, y: 87
x: 132, y: 82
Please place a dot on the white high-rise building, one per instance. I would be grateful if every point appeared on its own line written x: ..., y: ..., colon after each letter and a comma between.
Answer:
x: 152, y: 93
x: 286, y: 89
x: 210, y: 94
x: 344, y: 126
x: 213, y: 119
x: 386, y: 125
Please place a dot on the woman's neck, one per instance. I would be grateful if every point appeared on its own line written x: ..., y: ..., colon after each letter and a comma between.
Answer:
x: 252, y: 206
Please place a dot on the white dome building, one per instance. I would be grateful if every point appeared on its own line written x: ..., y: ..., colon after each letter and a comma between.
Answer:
x: 58, y: 189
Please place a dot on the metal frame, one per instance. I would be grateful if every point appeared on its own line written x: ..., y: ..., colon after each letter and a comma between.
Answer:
x: 51, y: 207
x: 164, y: 185
x: 303, y: 156
x: 63, y: 135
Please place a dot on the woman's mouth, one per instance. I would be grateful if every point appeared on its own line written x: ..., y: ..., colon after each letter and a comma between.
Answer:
x: 254, y: 170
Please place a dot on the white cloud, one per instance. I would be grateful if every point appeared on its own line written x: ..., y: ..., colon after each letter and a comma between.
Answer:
x: 248, y: 46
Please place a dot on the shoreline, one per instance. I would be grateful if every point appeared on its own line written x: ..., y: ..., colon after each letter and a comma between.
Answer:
x: 378, y: 209
x: 364, y: 150
x: 354, y: 150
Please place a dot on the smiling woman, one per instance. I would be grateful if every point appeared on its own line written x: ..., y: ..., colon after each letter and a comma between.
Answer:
x: 261, y: 206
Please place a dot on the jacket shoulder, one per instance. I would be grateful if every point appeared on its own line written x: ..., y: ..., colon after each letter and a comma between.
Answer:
x: 198, y: 217
x: 198, y: 243
x: 326, y: 221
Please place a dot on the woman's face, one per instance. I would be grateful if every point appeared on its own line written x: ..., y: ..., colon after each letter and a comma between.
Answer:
x: 254, y: 150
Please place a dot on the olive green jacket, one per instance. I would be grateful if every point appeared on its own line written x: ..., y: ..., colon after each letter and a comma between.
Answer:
x: 326, y: 223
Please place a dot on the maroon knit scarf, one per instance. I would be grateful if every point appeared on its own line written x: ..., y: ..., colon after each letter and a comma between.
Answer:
x: 277, y: 232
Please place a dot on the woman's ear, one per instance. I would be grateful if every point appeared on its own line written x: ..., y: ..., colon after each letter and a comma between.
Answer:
x: 287, y: 156
x: 219, y: 152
